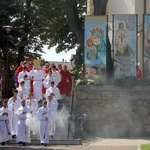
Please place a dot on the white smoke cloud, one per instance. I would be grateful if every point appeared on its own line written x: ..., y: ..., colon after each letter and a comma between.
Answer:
x: 62, y: 117
x: 33, y: 123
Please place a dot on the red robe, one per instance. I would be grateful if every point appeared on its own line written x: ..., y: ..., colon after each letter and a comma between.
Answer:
x: 62, y: 84
x: 68, y: 83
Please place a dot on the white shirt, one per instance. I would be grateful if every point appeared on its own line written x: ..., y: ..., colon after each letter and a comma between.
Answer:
x: 53, y: 90
x: 21, y: 76
x: 57, y: 75
x: 37, y: 74
x: 47, y: 81
x: 32, y: 104
x: 23, y: 92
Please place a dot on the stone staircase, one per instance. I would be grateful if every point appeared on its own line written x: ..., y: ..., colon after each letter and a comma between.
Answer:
x: 64, y: 134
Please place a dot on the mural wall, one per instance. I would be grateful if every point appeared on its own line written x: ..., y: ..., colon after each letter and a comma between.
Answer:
x: 95, y: 46
x: 125, y: 45
x: 146, y: 45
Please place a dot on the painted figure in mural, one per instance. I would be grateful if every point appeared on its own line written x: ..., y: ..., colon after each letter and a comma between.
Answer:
x: 121, y: 39
x: 92, y: 51
x: 97, y: 36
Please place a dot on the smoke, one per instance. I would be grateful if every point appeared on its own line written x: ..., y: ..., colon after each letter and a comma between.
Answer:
x: 33, y: 123
x: 62, y: 118
x: 61, y: 123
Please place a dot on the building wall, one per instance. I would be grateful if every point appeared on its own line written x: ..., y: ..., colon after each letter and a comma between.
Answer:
x: 114, y: 111
x: 120, y: 7
x: 148, y: 8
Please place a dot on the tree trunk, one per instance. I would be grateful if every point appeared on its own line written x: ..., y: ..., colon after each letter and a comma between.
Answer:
x: 73, y: 20
x: 23, y: 43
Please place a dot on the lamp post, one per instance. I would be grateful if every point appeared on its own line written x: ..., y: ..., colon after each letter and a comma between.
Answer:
x: 7, y: 28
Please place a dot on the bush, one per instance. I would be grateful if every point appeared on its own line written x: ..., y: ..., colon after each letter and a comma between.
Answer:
x: 126, y: 82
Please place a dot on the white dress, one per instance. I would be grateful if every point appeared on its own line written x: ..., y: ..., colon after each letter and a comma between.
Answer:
x: 32, y: 118
x: 5, y: 125
x: 38, y: 76
x: 22, y: 127
x: 53, y: 106
x: 44, y: 124
x: 13, y: 107
x: 23, y: 92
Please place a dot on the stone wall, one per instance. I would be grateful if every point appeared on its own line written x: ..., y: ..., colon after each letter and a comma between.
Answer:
x: 114, y: 111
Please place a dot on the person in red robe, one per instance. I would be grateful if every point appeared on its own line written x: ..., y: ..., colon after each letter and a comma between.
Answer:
x: 138, y: 73
x: 62, y: 84
x: 19, y: 69
x: 69, y: 81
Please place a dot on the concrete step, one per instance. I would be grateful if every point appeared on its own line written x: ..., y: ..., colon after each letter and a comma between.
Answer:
x: 53, y: 142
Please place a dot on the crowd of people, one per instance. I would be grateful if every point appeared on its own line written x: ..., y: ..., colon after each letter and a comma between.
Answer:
x: 39, y: 78
x: 21, y: 113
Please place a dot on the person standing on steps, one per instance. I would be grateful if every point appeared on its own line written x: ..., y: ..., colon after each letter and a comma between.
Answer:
x: 22, y: 127
x: 43, y: 114
x: 5, y: 126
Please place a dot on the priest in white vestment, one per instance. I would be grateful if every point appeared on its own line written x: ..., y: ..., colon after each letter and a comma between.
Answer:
x: 48, y: 79
x: 38, y: 75
x: 22, y: 127
x: 23, y: 91
x: 15, y: 95
x: 13, y: 106
x: 32, y: 103
x: 53, y: 106
x: 43, y: 115
x: 5, y: 126
x: 53, y: 89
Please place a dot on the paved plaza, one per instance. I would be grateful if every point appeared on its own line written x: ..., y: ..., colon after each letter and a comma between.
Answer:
x: 97, y: 144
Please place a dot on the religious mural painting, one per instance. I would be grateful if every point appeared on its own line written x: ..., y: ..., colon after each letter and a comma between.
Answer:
x: 146, y: 48
x: 95, y: 46
x: 125, y: 45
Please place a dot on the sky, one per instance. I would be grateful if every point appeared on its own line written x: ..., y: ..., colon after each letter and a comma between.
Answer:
x: 51, y: 55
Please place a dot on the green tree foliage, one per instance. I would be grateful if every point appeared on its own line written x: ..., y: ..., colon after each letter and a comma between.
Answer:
x: 6, y: 12
x: 23, y: 40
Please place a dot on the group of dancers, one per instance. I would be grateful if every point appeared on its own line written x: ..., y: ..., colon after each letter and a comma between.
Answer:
x: 21, y: 115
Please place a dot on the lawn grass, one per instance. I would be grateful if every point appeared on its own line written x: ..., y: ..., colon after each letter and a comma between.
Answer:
x: 145, y: 147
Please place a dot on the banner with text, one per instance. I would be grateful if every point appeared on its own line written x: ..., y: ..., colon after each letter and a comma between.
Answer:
x: 95, y: 46
x: 146, y: 45
x: 125, y: 45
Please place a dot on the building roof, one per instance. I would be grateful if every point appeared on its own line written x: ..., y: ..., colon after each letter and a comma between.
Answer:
x: 69, y: 64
